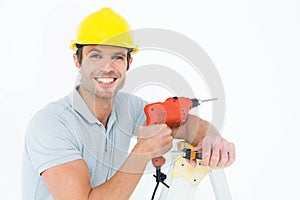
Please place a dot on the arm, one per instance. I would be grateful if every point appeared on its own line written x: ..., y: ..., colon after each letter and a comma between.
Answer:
x: 216, y: 151
x: 72, y: 180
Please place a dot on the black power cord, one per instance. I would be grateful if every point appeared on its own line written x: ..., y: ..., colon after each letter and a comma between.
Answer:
x: 160, y: 177
x: 156, y: 186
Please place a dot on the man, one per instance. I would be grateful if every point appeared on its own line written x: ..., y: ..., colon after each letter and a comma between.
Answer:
x: 77, y: 147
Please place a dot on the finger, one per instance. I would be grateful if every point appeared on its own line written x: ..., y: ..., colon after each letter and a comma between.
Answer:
x: 223, y: 155
x: 231, y: 155
x: 167, y: 148
x: 168, y: 131
x: 166, y: 140
x: 197, y: 148
x: 215, y: 156
x: 162, y: 150
x: 206, y: 153
x: 145, y: 132
x: 193, y: 163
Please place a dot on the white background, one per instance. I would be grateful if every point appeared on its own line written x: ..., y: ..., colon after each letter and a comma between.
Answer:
x: 254, y: 45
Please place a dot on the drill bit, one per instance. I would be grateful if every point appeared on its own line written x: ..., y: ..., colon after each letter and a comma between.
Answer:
x: 205, y: 100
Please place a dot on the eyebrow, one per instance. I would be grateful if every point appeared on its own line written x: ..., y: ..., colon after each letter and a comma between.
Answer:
x: 119, y: 54
x: 94, y: 49
x: 114, y: 54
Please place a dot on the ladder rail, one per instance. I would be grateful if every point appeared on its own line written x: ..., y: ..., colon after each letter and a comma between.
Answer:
x: 219, y: 184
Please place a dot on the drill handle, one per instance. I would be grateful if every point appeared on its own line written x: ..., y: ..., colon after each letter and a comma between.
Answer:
x: 155, y: 113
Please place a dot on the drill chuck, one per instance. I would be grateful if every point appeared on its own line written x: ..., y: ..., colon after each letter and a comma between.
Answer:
x: 197, y: 102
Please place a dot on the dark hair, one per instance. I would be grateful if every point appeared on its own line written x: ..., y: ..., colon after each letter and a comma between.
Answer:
x: 79, y: 55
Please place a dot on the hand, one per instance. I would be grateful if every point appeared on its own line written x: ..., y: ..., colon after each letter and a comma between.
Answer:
x: 216, y: 151
x: 153, y: 140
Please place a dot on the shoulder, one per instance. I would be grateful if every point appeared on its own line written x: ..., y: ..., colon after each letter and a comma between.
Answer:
x: 53, y: 110
x: 51, y: 117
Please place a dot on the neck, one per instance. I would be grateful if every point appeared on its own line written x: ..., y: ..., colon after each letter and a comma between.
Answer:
x: 100, y: 107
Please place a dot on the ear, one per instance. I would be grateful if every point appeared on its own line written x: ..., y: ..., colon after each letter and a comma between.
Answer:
x: 76, y: 61
x: 129, y: 63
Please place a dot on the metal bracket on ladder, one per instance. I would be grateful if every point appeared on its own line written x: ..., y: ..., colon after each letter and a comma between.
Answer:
x: 183, y: 177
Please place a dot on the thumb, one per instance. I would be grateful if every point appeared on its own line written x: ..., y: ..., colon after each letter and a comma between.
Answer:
x: 198, y: 147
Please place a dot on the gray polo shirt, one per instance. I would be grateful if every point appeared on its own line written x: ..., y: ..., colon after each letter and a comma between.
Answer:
x: 67, y: 130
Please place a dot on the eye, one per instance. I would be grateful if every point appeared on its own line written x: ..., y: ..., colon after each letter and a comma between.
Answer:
x: 96, y: 56
x: 118, y: 57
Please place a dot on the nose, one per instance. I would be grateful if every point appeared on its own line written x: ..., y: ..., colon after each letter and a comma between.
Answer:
x: 107, y: 64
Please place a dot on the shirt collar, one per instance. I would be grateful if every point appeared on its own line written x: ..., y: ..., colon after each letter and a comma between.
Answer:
x: 79, y: 105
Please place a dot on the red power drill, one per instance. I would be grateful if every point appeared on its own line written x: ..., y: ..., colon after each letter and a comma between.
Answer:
x: 173, y: 112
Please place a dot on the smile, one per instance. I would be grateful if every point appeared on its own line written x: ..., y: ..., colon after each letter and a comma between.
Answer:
x: 105, y: 80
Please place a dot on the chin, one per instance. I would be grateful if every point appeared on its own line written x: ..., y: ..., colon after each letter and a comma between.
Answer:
x: 105, y: 95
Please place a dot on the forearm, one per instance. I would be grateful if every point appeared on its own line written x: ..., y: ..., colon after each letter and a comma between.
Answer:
x: 194, y: 130
x: 125, y: 180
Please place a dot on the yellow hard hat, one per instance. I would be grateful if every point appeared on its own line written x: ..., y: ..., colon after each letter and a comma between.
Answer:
x: 104, y: 27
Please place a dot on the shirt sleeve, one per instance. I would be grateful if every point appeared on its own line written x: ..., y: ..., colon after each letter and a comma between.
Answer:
x: 130, y: 112
x: 48, y: 142
x: 140, y: 118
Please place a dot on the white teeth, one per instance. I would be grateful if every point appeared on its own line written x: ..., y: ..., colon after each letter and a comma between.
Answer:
x: 105, y: 80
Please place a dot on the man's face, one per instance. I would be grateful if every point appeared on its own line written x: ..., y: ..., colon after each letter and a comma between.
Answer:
x: 103, y: 70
